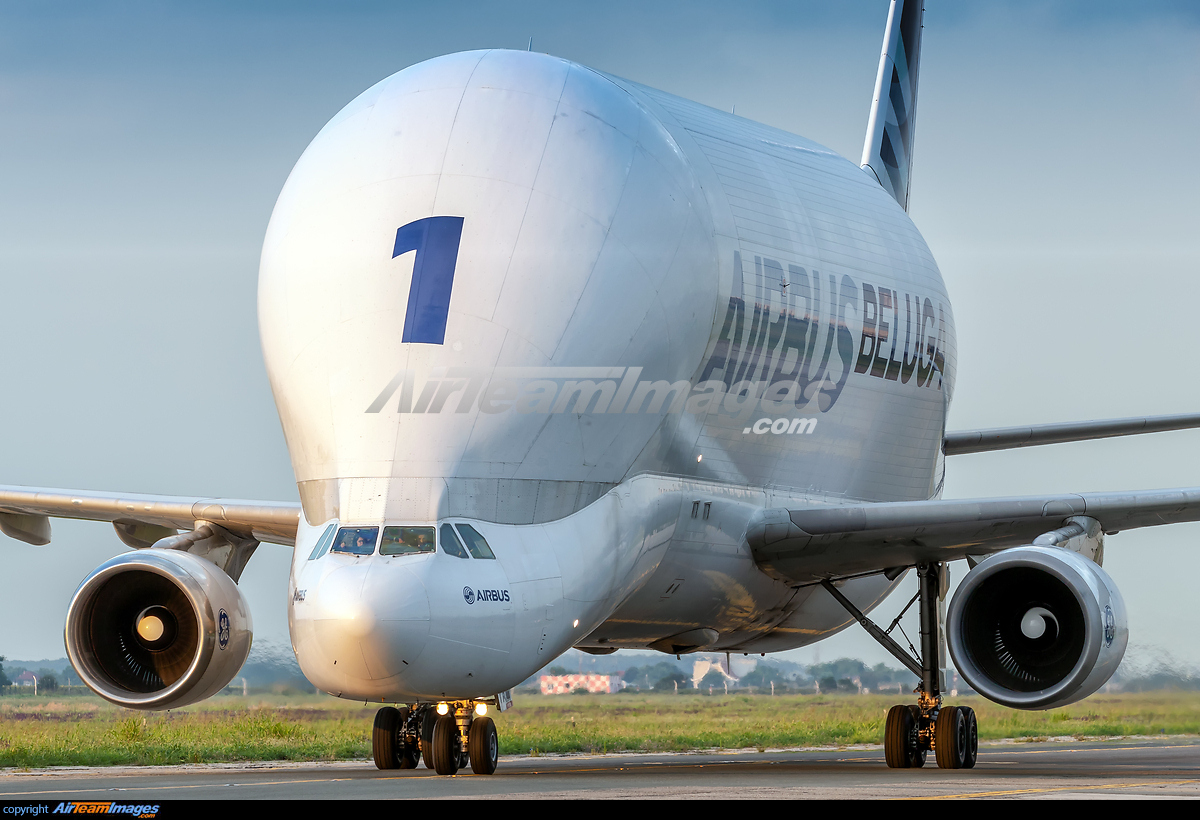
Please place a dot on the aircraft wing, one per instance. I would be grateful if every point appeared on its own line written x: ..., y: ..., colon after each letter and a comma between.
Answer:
x: 1007, y: 438
x: 809, y: 544
x: 139, y: 519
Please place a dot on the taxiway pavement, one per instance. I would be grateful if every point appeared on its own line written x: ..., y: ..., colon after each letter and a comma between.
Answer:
x: 1127, y: 768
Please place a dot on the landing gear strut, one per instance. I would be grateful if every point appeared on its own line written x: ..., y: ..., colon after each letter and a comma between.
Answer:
x: 448, y: 737
x: 911, y: 732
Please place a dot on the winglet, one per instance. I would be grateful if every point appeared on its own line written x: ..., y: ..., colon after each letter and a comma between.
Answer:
x: 887, y: 152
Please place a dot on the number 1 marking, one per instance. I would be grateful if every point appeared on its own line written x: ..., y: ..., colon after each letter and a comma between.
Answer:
x: 435, y: 239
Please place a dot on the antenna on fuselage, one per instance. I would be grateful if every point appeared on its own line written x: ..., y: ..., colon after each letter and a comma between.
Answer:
x: 530, y: 46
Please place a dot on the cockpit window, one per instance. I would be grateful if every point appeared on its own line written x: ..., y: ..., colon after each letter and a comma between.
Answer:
x: 356, y: 540
x: 406, y: 540
x: 475, y: 543
x: 323, y: 542
x: 451, y: 544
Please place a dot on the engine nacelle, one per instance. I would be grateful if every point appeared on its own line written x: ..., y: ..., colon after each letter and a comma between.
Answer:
x: 1037, y: 627
x: 158, y: 629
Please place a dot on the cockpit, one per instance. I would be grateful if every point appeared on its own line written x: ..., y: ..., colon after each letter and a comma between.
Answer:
x: 457, y: 540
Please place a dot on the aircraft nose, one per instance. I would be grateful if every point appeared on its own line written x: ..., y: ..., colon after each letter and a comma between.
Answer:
x: 357, y: 619
x: 373, y: 620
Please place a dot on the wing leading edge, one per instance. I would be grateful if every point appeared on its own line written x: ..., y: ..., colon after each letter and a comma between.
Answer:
x: 142, y: 519
x: 1007, y: 438
x: 808, y: 545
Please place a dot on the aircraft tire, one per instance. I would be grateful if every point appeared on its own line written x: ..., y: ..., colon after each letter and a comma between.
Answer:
x: 483, y: 745
x: 896, y: 737
x: 951, y: 740
x: 916, y: 753
x: 972, y: 750
x: 428, y: 719
x: 446, y: 745
x: 385, y: 738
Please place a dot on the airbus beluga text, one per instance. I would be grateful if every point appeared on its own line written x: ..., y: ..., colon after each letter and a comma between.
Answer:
x: 565, y: 361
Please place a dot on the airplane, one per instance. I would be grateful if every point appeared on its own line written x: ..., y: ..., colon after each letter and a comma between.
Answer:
x: 565, y: 361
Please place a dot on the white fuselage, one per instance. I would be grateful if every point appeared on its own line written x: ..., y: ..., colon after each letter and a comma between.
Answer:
x: 604, y: 326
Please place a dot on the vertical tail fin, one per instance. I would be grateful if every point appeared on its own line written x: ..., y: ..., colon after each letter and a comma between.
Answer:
x: 888, y: 150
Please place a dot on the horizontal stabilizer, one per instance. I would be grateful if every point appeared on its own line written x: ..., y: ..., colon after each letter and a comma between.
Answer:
x: 1007, y: 438
x: 806, y: 545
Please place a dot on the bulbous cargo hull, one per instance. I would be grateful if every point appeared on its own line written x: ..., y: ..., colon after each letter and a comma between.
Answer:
x: 503, y: 288
x: 611, y: 238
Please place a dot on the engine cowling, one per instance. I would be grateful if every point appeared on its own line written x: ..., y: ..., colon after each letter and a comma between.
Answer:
x: 1037, y: 627
x: 158, y: 629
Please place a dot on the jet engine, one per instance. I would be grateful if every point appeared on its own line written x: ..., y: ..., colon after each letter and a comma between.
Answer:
x: 157, y: 629
x: 1037, y: 627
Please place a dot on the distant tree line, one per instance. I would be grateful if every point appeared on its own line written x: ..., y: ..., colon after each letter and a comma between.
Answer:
x: 1159, y: 680
x: 47, y: 679
x: 663, y: 676
x: 846, y: 675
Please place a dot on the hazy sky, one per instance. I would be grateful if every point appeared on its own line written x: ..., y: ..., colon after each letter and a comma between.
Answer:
x: 142, y: 146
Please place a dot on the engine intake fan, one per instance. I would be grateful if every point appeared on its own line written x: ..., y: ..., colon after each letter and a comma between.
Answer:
x: 158, y: 629
x: 1037, y: 627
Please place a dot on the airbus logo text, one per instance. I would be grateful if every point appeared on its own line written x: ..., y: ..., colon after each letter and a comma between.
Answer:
x: 496, y: 595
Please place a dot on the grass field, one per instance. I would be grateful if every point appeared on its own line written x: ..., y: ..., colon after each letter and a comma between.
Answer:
x: 42, y: 731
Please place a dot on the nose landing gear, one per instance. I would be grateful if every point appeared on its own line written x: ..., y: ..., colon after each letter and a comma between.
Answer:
x: 912, y: 731
x: 483, y: 745
x: 395, y: 738
x: 447, y: 747
x: 461, y: 735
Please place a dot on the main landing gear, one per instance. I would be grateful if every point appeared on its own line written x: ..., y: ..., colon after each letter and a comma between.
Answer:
x: 448, y: 737
x: 912, y: 731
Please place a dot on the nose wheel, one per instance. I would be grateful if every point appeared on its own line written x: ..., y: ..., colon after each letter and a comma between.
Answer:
x: 483, y: 745
x: 394, y: 739
x: 912, y: 731
x: 446, y: 746
x: 447, y: 742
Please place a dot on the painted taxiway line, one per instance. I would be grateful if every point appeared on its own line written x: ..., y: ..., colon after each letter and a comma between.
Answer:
x: 1075, y: 788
